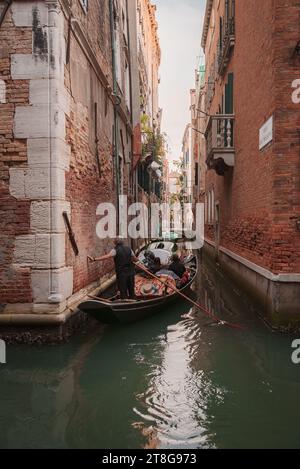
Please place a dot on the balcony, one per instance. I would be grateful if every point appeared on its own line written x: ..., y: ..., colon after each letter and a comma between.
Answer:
x: 220, y: 149
x: 226, y: 45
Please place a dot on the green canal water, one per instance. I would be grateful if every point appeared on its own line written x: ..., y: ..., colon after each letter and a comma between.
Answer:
x: 173, y: 381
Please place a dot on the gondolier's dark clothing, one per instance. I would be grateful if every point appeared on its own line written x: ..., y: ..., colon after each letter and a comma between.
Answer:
x: 125, y: 271
x: 126, y: 285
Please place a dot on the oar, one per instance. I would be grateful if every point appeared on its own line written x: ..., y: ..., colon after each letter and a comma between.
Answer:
x: 197, y: 305
x: 97, y: 298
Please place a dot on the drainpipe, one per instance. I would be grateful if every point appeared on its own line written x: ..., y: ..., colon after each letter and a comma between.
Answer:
x: 53, y: 74
x: 132, y: 182
x: 116, y: 105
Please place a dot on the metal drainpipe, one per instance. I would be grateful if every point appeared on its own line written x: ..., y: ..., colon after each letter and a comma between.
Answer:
x: 116, y: 96
x: 53, y: 73
x: 132, y: 184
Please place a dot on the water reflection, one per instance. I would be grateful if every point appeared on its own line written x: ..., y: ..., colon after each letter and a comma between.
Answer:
x: 177, y: 396
x: 173, y: 381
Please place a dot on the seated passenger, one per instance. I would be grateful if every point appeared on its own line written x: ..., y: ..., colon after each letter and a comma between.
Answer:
x: 184, y: 280
x: 156, y: 267
x: 149, y: 259
x: 164, y: 272
x: 177, y: 266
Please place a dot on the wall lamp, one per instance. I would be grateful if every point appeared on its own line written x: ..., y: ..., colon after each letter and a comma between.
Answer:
x: 199, y: 110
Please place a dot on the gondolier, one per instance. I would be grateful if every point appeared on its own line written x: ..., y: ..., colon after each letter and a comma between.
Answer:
x: 124, y: 259
x: 152, y: 293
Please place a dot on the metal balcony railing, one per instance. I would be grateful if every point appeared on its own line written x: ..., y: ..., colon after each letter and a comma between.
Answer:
x: 226, y: 45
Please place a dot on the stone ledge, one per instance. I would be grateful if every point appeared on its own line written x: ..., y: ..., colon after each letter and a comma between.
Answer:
x: 281, y: 278
x: 277, y: 301
x: 35, y: 314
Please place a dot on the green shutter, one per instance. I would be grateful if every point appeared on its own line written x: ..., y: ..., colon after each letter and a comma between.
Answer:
x: 229, y: 95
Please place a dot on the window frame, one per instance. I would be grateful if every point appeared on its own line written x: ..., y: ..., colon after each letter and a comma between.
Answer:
x: 85, y: 5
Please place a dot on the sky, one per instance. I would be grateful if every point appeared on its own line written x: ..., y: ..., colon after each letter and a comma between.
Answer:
x: 180, y: 30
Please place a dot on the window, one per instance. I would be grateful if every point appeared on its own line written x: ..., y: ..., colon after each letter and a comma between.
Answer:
x: 210, y: 207
x: 118, y: 56
x: 85, y: 4
x: 196, y: 174
x: 124, y: 21
x: 121, y: 174
x: 229, y: 11
x: 212, y: 28
x: 127, y: 86
x: 229, y: 107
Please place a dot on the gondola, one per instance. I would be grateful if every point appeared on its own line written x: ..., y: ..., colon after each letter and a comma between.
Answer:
x: 114, y: 311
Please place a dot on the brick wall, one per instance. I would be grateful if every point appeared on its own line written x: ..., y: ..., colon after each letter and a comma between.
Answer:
x: 89, y: 183
x: 286, y: 150
x: 78, y: 146
x: 86, y: 187
x: 71, y: 133
x: 259, y: 197
x: 15, y: 284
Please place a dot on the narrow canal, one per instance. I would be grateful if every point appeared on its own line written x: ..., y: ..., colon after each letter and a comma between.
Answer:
x: 173, y: 381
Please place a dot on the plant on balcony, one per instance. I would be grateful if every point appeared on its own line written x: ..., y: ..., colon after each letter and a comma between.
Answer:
x: 154, y: 142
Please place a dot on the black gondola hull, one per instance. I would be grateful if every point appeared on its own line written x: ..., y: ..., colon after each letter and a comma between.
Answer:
x: 126, y: 313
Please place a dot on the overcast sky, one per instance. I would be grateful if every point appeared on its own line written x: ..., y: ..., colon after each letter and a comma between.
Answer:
x: 180, y: 29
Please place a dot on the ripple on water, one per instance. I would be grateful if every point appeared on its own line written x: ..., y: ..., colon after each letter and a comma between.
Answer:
x: 178, y: 395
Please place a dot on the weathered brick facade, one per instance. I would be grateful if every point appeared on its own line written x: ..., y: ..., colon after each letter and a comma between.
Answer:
x: 15, y: 283
x: 257, y: 199
x: 59, y: 111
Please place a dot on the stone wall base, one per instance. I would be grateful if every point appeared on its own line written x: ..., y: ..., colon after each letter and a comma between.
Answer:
x: 277, y: 297
x: 20, y: 326
x: 45, y: 334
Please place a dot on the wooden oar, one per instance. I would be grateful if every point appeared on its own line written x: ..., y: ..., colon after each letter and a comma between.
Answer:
x: 99, y: 299
x: 197, y: 305
x: 108, y: 301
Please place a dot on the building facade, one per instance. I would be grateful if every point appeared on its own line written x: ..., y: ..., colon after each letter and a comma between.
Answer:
x: 187, y: 164
x: 193, y: 166
x: 198, y: 120
x: 149, y: 58
x: 69, y: 136
x: 253, y: 148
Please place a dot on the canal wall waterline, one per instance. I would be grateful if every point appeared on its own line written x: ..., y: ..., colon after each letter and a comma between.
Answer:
x: 277, y: 296
x: 17, y: 326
